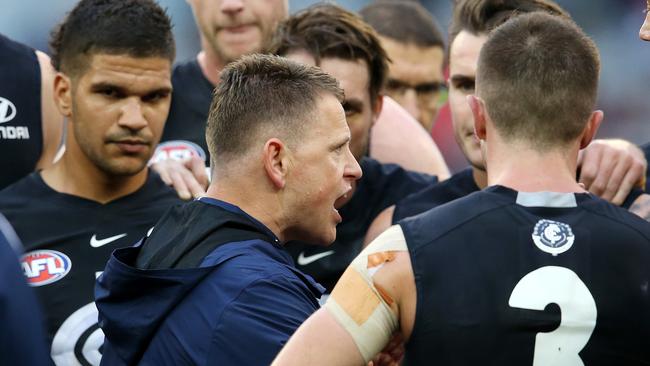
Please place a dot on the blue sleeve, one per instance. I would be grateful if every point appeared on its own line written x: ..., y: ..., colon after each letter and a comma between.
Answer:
x: 22, y: 338
x: 256, y: 325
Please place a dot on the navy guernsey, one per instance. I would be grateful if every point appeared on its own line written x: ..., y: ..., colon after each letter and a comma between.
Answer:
x: 505, y: 278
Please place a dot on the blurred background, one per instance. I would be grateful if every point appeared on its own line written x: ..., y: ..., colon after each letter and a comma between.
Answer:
x: 613, y: 24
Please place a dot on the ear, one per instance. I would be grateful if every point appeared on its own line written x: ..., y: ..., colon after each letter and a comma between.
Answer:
x: 276, y: 162
x: 477, y: 106
x: 63, y: 94
x: 378, y: 106
x: 591, y: 128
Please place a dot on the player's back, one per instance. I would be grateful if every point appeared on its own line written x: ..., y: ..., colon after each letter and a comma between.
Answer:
x: 514, y: 278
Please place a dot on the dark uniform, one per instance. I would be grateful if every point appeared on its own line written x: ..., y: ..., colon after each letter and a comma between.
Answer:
x: 381, y: 186
x: 458, y: 185
x: 68, y: 240
x: 505, y: 278
x: 21, y: 134
x: 184, y: 132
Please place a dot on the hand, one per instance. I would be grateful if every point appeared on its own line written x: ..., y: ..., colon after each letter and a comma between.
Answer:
x: 611, y: 168
x: 392, y: 354
x: 188, y: 177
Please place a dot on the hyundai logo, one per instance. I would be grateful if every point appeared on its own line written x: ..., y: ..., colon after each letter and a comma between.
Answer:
x: 7, y: 110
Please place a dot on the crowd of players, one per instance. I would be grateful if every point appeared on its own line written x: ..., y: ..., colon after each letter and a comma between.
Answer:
x: 316, y: 129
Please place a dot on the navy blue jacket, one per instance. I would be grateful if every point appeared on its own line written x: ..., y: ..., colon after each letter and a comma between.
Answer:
x: 161, y: 303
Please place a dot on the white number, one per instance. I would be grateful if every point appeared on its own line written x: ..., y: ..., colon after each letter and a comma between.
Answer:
x: 562, y: 286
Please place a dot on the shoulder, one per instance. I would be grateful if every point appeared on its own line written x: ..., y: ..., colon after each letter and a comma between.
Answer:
x: 619, y: 216
x: 422, y: 229
x: 22, y: 191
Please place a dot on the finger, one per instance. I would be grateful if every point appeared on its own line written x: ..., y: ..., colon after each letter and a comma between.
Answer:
x: 179, y: 185
x: 603, y: 173
x: 195, y: 188
x: 160, y: 168
x: 197, y: 167
x: 628, y: 183
x: 588, y: 163
x: 615, y: 180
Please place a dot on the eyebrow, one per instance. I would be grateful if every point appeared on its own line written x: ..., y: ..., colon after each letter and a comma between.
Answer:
x: 122, y: 90
x: 461, y: 78
x: 341, y: 142
x: 353, y: 104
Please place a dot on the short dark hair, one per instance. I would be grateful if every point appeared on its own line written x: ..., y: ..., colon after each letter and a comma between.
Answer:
x: 538, y: 76
x: 139, y: 28
x: 404, y: 21
x: 482, y: 16
x: 326, y: 30
x: 260, y: 92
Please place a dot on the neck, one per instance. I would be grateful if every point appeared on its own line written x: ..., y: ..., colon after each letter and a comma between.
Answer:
x: 480, y: 177
x: 210, y: 63
x: 526, y: 170
x: 74, y: 174
x: 251, y: 199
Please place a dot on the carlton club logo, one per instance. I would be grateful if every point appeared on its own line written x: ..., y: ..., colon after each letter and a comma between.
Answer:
x: 7, y: 110
x: 553, y: 237
x: 42, y: 267
x: 177, y: 150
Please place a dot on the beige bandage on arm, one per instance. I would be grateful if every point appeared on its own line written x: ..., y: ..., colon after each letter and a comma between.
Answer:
x: 362, y: 307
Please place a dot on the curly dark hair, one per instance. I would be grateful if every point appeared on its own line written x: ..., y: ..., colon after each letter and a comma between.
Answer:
x: 140, y: 28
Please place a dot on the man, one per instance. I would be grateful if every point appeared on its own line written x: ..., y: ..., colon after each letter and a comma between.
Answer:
x: 414, y: 43
x: 609, y: 168
x: 212, y: 283
x: 114, y: 90
x: 523, y: 271
x: 30, y: 132
x: 344, y: 46
x: 230, y: 29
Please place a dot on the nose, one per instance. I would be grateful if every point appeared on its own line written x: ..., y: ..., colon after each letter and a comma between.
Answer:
x: 232, y: 6
x: 410, y: 103
x: 132, y: 115
x: 644, y: 32
x: 352, y: 170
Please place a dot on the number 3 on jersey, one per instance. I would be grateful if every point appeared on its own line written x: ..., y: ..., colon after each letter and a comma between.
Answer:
x: 562, y: 286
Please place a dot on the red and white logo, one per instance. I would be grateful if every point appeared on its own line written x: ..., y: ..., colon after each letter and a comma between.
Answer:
x: 42, y: 267
x: 177, y: 150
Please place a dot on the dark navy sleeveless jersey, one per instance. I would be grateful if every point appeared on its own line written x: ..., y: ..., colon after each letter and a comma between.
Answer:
x: 508, y: 278
x: 381, y: 185
x: 184, y: 132
x: 458, y: 185
x: 21, y: 135
x: 68, y: 240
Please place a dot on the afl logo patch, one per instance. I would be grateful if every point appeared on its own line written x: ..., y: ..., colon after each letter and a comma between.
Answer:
x: 42, y: 267
x: 552, y: 236
x: 177, y: 150
x: 7, y: 110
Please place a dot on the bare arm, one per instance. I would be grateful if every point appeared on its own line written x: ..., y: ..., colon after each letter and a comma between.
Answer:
x: 382, y: 222
x: 398, y: 138
x: 374, y: 298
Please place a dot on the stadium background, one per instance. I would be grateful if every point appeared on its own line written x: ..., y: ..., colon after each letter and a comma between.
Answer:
x: 613, y: 24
